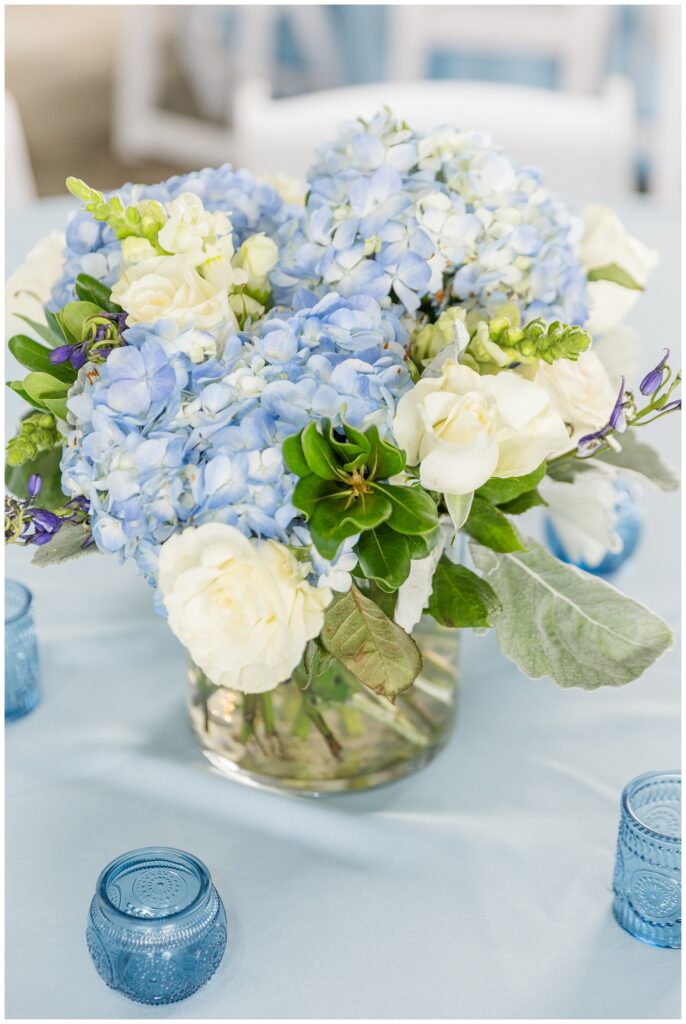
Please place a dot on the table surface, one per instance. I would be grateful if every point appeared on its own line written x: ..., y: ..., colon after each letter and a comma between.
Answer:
x: 479, y: 888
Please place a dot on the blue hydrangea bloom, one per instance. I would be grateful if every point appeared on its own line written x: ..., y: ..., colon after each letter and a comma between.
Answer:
x: 398, y: 215
x: 160, y: 443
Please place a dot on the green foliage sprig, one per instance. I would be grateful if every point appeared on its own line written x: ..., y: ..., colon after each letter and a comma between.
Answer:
x: 499, y: 342
x: 138, y: 220
x: 344, y: 490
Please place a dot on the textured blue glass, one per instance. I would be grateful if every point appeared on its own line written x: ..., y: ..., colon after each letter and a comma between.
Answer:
x: 629, y: 528
x: 647, y: 878
x: 22, y: 684
x: 156, y: 927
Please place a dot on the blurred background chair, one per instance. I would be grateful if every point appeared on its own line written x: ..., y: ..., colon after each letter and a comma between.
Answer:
x: 585, y: 143
x: 20, y: 186
x: 166, y: 88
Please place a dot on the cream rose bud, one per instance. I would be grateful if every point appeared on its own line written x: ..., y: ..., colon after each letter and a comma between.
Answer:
x: 242, y: 607
x: 581, y: 392
x: 171, y: 288
x: 257, y: 256
x: 605, y: 240
x: 462, y: 428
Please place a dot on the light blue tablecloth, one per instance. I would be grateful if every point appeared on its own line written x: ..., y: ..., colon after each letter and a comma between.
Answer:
x: 478, y: 888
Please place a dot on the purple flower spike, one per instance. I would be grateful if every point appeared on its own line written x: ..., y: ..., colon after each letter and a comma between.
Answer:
x: 78, y: 356
x: 34, y: 485
x: 672, y: 406
x: 652, y: 381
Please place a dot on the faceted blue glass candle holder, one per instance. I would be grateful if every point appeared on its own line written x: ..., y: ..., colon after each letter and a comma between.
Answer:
x: 156, y: 928
x: 629, y: 528
x: 647, y: 878
x: 22, y: 681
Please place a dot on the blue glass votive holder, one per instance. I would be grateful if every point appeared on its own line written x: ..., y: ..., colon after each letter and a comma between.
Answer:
x: 629, y: 527
x: 156, y: 927
x: 647, y: 878
x: 22, y: 681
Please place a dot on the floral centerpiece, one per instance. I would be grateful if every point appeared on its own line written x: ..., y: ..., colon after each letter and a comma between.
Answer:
x: 290, y: 409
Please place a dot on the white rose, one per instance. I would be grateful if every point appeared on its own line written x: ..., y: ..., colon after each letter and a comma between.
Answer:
x: 171, y: 288
x: 192, y: 229
x: 28, y: 288
x: 257, y: 256
x: 605, y: 240
x: 242, y: 607
x: 462, y: 428
x: 581, y: 392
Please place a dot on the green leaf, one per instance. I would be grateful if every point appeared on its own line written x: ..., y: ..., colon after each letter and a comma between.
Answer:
x: 490, y: 527
x: 641, y: 458
x: 384, y: 557
x: 57, y: 406
x: 41, y: 386
x: 47, y: 465
x: 560, y: 622
x: 613, y: 272
x: 348, y: 449
x: 310, y: 491
x: 56, y: 328
x: 523, y: 503
x: 341, y: 515
x: 499, y: 490
x: 413, y: 510
x: 376, y: 651
x: 35, y: 356
x: 73, y: 317
x: 318, y: 454
x: 422, y: 544
x: 66, y: 545
x: 294, y: 457
x: 89, y: 289
x: 18, y: 388
x: 384, y: 459
x: 460, y: 598
x: 43, y: 331
x: 459, y: 506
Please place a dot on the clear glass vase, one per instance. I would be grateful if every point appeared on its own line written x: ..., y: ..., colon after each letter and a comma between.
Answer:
x: 334, y: 734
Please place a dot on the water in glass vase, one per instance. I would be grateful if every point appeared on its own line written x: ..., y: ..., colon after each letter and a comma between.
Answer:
x: 330, y: 734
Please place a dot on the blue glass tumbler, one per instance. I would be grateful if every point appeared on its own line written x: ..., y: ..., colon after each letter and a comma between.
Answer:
x: 629, y: 528
x: 156, y: 927
x: 647, y: 878
x: 22, y: 684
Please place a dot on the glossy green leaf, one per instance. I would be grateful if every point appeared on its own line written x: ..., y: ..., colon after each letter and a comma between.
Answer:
x: 376, y: 651
x: 310, y: 491
x: 47, y: 466
x: 384, y: 459
x: 34, y: 356
x: 294, y: 456
x: 56, y: 328
x: 347, y: 449
x: 422, y: 544
x: 43, y: 385
x: 413, y: 510
x: 499, y: 490
x: 490, y: 527
x: 43, y: 331
x: 18, y: 388
x: 319, y: 455
x: 460, y: 598
x: 89, y: 289
x: 384, y: 556
x: 73, y: 318
x: 523, y: 503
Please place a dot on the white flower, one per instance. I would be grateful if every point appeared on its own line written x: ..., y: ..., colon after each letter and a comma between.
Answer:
x: 292, y: 190
x: 192, y: 229
x: 257, y: 256
x: 605, y: 240
x: 28, y: 288
x: 584, y: 515
x: 242, y: 607
x: 172, y: 288
x: 462, y: 428
x: 581, y: 392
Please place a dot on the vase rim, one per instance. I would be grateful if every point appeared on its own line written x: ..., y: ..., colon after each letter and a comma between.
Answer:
x: 633, y: 814
x: 145, y: 854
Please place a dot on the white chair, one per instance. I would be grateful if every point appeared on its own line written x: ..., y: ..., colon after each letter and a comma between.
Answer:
x: 20, y: 185
x: 574, y: 36
x: 584, y: 144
